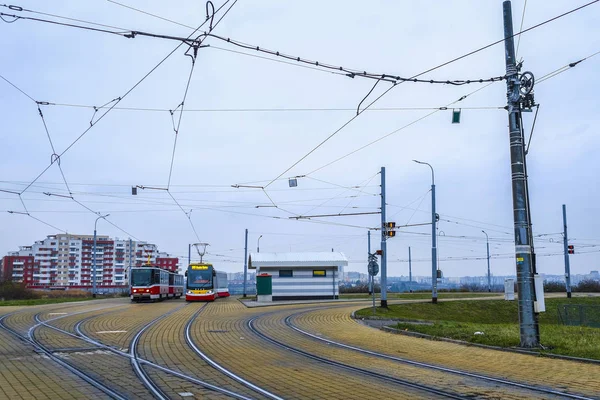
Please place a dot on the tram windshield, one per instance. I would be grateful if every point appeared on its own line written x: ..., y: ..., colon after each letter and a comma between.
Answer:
x: 200, y: 277
x: 141, y: 277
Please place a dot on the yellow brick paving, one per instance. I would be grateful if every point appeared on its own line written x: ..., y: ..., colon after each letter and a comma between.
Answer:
x: 279, y: 371
x: 336, y: 324
x: 105, y: 328
x: 274, y: 326
x: 24, y: 374
x: 164, y: 343
x: 112, y: 370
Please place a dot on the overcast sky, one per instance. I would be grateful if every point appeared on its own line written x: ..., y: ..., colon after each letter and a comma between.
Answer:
x: 217, y: 149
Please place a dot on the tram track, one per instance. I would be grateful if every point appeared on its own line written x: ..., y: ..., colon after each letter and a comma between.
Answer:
x: 505, y: 382
x: 328, y: 361
x: 219, y: 367
x: 138, y: 362
x: 30, y: 339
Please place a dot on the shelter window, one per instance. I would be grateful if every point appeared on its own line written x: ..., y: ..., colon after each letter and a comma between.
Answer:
x: 286, y: 273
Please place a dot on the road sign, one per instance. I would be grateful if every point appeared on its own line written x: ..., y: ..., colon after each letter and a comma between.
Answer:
x: 373, y: 268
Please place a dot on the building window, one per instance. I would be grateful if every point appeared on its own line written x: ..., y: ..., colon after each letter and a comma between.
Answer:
x: 286, y: 273
x: 319, y: 273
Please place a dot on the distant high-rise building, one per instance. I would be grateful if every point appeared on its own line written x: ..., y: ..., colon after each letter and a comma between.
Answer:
x: 68, y: 260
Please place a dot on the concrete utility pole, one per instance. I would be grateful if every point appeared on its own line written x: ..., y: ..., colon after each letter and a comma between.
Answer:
x: 434, y: 295
x: 383, y: 245
x: 566, y: 246
x: 409, y: 271
x: 94, y: 257
x: 529, y: 329
x: 487, y: 241
x: 371, y: 278
x: 245, y: 261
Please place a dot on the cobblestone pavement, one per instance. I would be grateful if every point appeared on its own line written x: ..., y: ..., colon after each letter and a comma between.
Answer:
x: 222, y: 331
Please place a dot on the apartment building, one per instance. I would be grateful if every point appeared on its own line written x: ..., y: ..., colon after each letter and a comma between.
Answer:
x: 68, y: 260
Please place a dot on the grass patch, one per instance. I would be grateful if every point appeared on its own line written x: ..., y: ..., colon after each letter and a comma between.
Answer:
x: 37, y: 302
x: 419, y: 296
x: 498, y: 320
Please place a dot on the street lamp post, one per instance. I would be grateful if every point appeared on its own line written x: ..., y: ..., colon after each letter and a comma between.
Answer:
x: 258, y: 244
x: 487, y: 241
x: 433, y: 236
x: 94, y: 257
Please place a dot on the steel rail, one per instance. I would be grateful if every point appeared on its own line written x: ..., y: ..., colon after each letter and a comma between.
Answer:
x: 135, y: 363
x: 220, y: 368
x: 30, y: 339
x: 373, y: 374
x: 431, y: 366
x: 180, y: 375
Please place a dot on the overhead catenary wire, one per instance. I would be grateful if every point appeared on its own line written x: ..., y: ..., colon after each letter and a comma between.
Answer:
x: 269, y: 110
x: 521, y: 28
x: 420, y: 74
x: 118, y: 99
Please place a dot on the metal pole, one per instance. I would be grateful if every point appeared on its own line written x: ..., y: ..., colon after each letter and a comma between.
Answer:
x: 566, y: 247
x: 189, y: 253
x: 434, y: 295
x: 94, y: 264
x: 383, y: 282
x: 433, y: 236
x: 130, y: 244
x: 258, y: 244
x: 409, y: 271
x: 487, y: 241
x: 245, y: 261
x: 529, y: 329
x: 368, y: 255
x: 94, y: 257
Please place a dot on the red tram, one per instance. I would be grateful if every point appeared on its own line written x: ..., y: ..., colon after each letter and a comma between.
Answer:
x: 149, y: 282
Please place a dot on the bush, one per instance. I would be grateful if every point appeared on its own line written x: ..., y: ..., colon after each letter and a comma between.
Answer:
x: 588, y: 285
x: 554, y: 286
x: 16, y: 291
x: 362, y: 288
x: 61, y: 294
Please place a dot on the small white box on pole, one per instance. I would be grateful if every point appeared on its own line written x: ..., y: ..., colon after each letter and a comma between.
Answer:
x: 539, y: 305
x: 509, y: 289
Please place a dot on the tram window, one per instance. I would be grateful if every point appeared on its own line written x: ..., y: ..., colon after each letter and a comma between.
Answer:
x: 286, y: 273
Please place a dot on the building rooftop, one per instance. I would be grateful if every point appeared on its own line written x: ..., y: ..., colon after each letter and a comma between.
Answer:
x: 296, y: 259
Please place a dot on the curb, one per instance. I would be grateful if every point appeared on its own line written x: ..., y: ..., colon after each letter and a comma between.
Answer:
x: 488, y: 347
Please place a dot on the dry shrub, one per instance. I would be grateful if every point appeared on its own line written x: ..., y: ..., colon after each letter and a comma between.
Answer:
x: 16, y: 291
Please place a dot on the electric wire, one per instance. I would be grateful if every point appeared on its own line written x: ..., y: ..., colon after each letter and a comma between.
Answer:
x: 520, y: 29
x: 55, y: 158
x: 179, y: 121
x: 564, y: 68
x: 118, y: 100
x: 277, y: 110
x: 420, y: 74
x: 150, y: 14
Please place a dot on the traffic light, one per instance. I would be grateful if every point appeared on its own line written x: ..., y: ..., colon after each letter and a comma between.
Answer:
x: 391, y: 233
x: 571, y: 249
x: 390, y: 225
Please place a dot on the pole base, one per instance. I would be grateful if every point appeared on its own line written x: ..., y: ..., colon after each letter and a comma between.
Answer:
x: 384, y: 304
x: 434, y: 300
x: 244, y: 295
x: 568, y: 295
x: 94, y: 295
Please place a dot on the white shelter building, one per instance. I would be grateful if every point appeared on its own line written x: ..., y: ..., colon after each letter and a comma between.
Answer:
x: 301, y: 276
